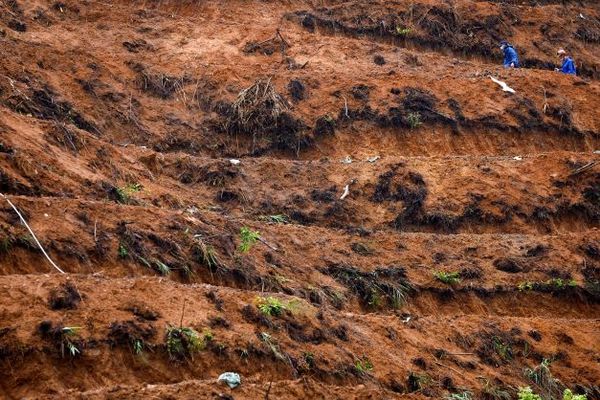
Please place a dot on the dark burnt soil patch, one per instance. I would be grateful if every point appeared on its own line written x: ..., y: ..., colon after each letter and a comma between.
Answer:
x: 66, y: 296
x: 131, y: 333
x: 44, y: 103
x: 496, y: 347
x: 385, y: 286
x: 143, y: 312
x: 10, y: 346
x: 417, y: 106
x: 216, y: 173
x: 591, y: 275
x: 401, y: 185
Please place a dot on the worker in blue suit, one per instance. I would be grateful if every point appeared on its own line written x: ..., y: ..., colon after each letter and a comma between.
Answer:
x: 511, y: 59
x: 568, y: 65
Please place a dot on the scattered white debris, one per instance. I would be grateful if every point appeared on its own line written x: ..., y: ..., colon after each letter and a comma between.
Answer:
x: 346, y: 192
x: 504, y: 86
x: 234, y: 161
x: 192, y: 210
x: 373, y: 159
x: 46, y: 215
x: 596, y: 151
x: 517, y: 158
x: 581, y: 16
x: 347, y: 160
x: 406, y: 320
x: 232, y: 379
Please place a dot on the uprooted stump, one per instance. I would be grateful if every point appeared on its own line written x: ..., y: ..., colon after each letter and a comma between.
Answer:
x: 261, y: 112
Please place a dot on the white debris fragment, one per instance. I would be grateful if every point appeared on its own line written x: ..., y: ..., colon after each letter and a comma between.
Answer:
x: 517, y: 158
x: 347, y: 160
x: 504, y: 86
x: 232, y: 379
x: 346, y: 192
x: 234, y: 161
x: 373, y: 159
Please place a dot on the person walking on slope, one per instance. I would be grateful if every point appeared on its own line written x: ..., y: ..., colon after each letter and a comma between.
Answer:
x: 511, y: 59
x: 568, y: 65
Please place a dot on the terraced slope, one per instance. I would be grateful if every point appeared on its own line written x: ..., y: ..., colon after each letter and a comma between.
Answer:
x: 422, y: 233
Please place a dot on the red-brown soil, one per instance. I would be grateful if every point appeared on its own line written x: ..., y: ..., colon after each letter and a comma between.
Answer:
x: 116, y: 133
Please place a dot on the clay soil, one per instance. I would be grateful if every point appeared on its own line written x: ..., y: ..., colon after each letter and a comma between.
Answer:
x: 380, y: 155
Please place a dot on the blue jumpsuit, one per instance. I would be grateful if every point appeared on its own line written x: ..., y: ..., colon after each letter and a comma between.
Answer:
x: 510, y: 57
x: 568, y: 66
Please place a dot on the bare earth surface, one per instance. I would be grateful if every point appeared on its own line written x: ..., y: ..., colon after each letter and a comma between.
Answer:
x: 392, y: 157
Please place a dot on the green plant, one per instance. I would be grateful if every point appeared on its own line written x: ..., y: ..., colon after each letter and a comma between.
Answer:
x: 402, y: 31
x: 502, y: 349
x: 492, y: 391
x: 363, y: 365
x: 248, y: 238
x: 123, y: 252
x: 124, y: 193
x: 525, y: 393
x: 6, y: 244
x: 329, y: 119
x: 449, y: 278
x: 138, y: 346
x: 414, y: 120
x: 524, y: 286
x: 418, y: 382
x: 309, y: 358
x: 162, y: 267
x: 271, y: 306
x: 183, y: 342
x: 542, y: 377
x: 561, y: 284
x: 69, y: 333
x: 466, y: 395
x: 568, y: 395
x: 275, y: 219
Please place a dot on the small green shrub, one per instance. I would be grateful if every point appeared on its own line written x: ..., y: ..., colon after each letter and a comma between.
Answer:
x: 123, y: 252
x: 183, y: 342
x: 561, y: 284
x: 271, y: 306
x: 525, y: 393
x: 138, y: 346
x: 402, y: 31
x: 504, y: 350
x: 248, y: 238
x: 414, y: 120
x: 363, y: 365
x: 449, y: 278
x: 525, y: 286
x: 124, y: 193
x: 568, y: 395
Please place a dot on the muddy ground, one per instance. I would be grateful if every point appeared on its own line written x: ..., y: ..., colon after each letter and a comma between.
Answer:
x: 421, y: 233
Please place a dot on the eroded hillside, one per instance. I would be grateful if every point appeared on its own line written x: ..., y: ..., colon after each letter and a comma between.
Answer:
x: 333, y: 196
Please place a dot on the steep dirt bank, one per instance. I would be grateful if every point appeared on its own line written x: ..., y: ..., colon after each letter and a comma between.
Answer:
x: 422, y: 232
